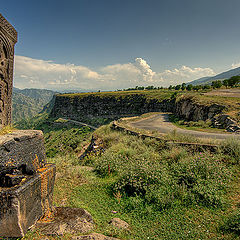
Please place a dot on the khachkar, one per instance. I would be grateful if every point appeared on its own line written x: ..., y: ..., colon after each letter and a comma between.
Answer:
x: 8, y: 38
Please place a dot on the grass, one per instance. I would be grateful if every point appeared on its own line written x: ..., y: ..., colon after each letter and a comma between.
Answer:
x: 149, y: 94
x: 7, y: 129
x: 163, y: 192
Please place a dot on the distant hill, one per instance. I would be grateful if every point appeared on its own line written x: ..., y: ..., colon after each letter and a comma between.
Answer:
x: 29, y: 102
x: 221, y: 76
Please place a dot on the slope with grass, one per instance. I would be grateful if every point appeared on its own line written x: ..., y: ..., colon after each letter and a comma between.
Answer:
x: 162, y: 191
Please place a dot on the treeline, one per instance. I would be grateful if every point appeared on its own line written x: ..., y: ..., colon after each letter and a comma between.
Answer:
x: 141, y: 88
x: 228, y: 83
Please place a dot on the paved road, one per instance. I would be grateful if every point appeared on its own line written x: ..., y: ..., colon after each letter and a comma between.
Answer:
x: 161, y: 123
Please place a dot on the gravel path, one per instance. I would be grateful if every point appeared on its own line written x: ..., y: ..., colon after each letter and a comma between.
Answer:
x: 161, y: 123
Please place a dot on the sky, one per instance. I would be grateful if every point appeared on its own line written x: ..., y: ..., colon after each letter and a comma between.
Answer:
x: 116, y: 44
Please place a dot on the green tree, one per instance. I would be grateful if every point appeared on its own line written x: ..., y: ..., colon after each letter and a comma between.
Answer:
x: 178, y: 87
x: 183, y: 87
x: 189, y: 87
x: 216, y: 84
x: 233, y: 81
x: 225, y: 83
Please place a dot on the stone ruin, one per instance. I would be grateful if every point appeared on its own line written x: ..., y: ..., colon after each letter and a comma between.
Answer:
x: 26, y: 180
x: 8, y: 38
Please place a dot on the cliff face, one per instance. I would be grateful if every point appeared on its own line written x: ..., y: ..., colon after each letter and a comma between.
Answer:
x: 108, y: 106
x: 113, y: 107
x: 188, y: 109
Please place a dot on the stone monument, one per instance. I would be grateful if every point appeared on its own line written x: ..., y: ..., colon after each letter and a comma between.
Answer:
x: 8, y: 38
x: 26, y: 179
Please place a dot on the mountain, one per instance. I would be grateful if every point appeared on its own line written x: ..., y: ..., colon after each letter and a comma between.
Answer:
x: 27, y: 103
x: 221, y: 76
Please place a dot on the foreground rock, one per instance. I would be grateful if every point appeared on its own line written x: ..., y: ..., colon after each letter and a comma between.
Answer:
x: 66, y: 220
x: 119, y: 223
x: 93, y: 236
x: 26, y: 182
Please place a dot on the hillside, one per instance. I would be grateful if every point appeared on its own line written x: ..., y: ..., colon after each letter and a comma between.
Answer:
x: 29, y: 102
x: 221, y: 76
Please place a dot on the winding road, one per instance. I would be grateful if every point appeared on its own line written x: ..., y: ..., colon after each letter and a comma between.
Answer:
x: 161, y: 123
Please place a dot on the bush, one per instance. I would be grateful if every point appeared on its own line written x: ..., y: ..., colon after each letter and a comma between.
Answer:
x: 232, y: 223
x: 231, y: 148
x: 204, y: 176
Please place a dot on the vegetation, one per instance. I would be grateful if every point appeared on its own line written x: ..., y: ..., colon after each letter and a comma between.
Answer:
x: 162, y: 191
x: 6, y: 130
x: 29, y: 102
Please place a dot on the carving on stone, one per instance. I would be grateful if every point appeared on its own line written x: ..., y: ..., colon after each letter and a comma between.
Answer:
x: 8, y: 38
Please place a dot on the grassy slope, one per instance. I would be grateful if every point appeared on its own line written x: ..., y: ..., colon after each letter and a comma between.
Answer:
x: 79, y: 186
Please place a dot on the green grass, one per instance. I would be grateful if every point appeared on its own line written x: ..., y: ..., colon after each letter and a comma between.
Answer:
x: 163, y: 192
x: 150, y: 94
x: 7, y: 129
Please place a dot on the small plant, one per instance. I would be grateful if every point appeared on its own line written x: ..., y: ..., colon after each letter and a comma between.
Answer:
x: 6, y: 130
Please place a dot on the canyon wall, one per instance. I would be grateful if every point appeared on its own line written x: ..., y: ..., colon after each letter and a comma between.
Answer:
x: 87, y: 106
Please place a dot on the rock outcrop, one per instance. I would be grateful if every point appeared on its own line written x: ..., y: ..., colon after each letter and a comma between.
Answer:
x: 188, y: 109
x: 91, y: 106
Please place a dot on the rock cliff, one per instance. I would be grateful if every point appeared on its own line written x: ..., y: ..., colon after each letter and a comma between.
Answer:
x: 90, y: 106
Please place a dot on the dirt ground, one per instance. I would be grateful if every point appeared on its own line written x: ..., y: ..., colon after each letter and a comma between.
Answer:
x: 233, y: 92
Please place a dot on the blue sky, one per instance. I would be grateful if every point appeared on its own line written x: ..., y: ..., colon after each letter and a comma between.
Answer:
x: 110, y: 44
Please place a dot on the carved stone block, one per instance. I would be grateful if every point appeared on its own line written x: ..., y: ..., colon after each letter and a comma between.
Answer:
x: 8, y: 38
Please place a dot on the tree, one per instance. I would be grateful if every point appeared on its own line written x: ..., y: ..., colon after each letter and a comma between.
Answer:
x: 206, y: 87
x: 216, y: 84
x: 225, y: 83
x: 233, y: 81
x: 170, y: 87
x: 178, y: 87
x: 183, y: 87
x: 197, y: 87
x: 189, y: 87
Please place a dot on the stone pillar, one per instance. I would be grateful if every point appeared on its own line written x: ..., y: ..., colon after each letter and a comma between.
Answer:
x: 8, y: 38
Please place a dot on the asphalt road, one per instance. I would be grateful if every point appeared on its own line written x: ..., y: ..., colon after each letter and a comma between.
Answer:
x: 161, y: 123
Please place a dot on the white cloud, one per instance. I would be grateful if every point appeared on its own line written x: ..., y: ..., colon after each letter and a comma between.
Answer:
x: 35, y: 73
x: 235, y: 65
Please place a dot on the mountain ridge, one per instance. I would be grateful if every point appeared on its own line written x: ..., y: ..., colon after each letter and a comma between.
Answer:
x: 220, y: 76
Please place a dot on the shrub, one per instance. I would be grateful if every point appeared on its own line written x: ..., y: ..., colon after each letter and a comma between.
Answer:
x: 231, y: 147
x: 232, y: 223
x: 204, y: 176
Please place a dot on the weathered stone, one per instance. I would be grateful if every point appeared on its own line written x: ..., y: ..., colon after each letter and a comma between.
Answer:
x: 26, y: 182
x: 67, y: 220
x: 22, y: 205
x: 119, y: 223
x: 22, y: 149
x: 8, y: 38
x: 93, y: 236
x: 189, y: 110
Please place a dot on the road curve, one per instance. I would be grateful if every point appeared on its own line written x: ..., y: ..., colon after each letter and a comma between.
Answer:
x: 161, y: 123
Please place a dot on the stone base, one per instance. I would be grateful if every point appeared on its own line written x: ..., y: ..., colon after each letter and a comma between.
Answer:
x: 22, y: 205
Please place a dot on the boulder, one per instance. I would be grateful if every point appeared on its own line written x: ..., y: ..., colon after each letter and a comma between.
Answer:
x: 66, y: 220
x: 93, y: 236
x: 119, y: 223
